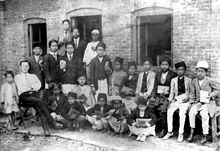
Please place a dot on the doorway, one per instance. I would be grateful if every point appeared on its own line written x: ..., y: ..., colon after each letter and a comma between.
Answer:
x: 37, y: 33
x: 86, y: 24
x: 154, y: 37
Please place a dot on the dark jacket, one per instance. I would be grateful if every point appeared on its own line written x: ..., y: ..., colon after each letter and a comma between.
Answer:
x: 72, y: 68
x: 130, y: 84
x: 80, y: 50
x: 94, y: 71
x: 36, y: 67
x: 169, y: 77
x: 120, y: 113
x: 147, y: 115
x: 75, y: 109
x: 51, y: 68
x: 62, y: 105
x: 96, y: 108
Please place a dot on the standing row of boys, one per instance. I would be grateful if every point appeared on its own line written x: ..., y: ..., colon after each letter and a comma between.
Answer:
x: 82, y: 86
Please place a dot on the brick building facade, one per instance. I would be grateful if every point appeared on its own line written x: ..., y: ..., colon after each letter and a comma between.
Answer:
x: 195, y: 27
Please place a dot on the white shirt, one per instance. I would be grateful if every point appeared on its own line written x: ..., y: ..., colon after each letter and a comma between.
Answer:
x: 100, y: 59
x: 54, y: 54
x: 70, y: 56
x: 90, y: 53
x: 76, y: 42
x: 27, y: 82
x: 200, y: 82
x: 36, y: 58
x: 164, y: 75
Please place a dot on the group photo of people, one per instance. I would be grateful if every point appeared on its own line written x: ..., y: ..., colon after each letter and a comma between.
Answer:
x: 77, y: 86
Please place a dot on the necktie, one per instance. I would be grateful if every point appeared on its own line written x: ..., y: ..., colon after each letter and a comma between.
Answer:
x: 76, y: 44
x: 70, y: 57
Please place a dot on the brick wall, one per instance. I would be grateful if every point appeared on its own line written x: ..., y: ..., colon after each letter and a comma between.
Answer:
x: 196, y: 32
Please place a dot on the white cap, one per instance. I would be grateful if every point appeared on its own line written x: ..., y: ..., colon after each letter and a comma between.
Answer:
x: 202, y: 64
x: 95, y: 31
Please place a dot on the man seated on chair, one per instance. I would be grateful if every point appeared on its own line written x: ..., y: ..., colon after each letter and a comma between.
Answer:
x: 28, y: 86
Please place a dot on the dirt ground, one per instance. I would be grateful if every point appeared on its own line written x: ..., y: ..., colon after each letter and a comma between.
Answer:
x: 65, y: 140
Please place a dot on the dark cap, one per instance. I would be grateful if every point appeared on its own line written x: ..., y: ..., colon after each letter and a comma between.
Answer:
x: 36, y: 44
x: 180, y: 64
x: 81, y: 74
x: 72, y: 94
x: 83, y: 97
x: 101, y: 44
x: 120, y: 60
x: 132, y: 63
x: 102, y: 95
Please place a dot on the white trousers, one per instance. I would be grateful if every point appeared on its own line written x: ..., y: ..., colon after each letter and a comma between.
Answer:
x: 204, y: 112
x: 102, y: 87
x: 142, y: 131
x: 182, y: 115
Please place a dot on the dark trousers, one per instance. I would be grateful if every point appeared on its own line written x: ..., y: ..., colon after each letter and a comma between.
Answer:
x: 32, y: 99
x: 159, y: 107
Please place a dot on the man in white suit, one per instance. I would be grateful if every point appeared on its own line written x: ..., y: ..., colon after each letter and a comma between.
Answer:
x: 179, y: 99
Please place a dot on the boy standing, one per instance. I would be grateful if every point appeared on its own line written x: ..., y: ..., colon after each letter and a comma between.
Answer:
x: 201, y: 99
x: 100, y: 69
x: 68, y: 77
x: 51, y: 65
x: 179, y: 99
x: 66, y: 36
x: 159, y: 100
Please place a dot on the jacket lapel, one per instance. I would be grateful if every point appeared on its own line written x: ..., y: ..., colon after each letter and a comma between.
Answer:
x: 204, y: 83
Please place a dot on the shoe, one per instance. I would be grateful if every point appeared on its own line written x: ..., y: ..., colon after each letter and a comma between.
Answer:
x: 180, y: 138
x: 46, y: 130
x: 58, y: 126
x: 204, y: 139
x: 190, y: 138
x: 162, y: 134
x: 143, y: 137
x: 168, y: 135
x: 138, y: 138
x: 120, y: 134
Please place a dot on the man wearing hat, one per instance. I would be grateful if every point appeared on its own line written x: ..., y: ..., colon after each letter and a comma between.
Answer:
x: 146, y: 79
x: 90, y: 51
x: 36, y: 63
x: 179, y: 99
x: 128, y: 87
x: 117, y: 76
x: 202, y: 99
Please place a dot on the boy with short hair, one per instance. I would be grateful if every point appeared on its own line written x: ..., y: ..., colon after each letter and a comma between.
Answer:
x: 159, y: 100
x: 179, y: 99
x: 141, y: 121
x: 98, y: 114
x: 202, y: 99
x: 146, y: 79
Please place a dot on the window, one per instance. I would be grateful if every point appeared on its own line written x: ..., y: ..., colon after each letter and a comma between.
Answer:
x: 153, y: 37
x: 86, y: 24
x: 37, y: 33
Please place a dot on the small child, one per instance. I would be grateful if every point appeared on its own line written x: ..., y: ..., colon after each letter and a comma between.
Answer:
x: 85, y: 90
x: 118, y: 121
x: 128, y: 87
x: 202, y: 98
x: 57, y: 104
x: 9, y: 99
x: 142, y: 121
x: 76, y: 112
x: 98, y: 115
